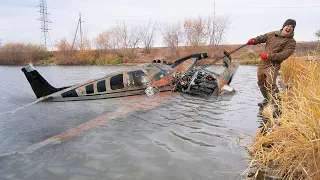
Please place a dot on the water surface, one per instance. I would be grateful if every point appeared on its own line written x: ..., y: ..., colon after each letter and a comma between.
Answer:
x: 168, y: 136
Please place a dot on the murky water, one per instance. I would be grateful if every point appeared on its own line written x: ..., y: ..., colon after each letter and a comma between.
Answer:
x: 168, y: 136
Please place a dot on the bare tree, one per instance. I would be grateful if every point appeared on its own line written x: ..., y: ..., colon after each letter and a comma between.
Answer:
x: 148, y: 33
x: 128, y: 39
x: 86, y: 43
x: 101, y: 43
x: 104, y: 40
x: 172, y: 37
x: 217, y: 26
x: 317, y: 33
x: 196, y: 31
x: 65, y: 51
x: 112, y: 40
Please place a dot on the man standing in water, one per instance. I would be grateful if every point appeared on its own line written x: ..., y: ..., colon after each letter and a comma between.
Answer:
x: 279, y: 46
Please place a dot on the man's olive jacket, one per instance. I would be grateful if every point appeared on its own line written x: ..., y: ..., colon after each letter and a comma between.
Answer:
x: 277, y: 46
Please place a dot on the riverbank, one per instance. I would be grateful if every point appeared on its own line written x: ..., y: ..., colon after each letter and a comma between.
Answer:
x: 22, y: 54
x: 288, y: 146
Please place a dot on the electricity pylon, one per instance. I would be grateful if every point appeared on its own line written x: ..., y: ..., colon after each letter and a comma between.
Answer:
x: 45, y: 39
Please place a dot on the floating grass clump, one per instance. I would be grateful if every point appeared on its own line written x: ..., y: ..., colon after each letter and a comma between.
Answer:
x: 289, y: 147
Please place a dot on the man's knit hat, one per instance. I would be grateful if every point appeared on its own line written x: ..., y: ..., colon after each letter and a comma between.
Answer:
x: 289, y: 22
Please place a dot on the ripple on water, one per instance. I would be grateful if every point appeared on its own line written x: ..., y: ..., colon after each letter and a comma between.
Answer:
x: 192, y: 140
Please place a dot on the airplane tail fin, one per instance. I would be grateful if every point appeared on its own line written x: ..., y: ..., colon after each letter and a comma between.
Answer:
x: 39, y: 85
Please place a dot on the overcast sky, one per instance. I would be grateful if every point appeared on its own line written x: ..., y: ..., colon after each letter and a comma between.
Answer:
x: 249, y: 18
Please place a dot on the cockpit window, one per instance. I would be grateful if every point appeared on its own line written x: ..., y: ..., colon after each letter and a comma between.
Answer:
x: 137, y: 78
x: 157, y: 71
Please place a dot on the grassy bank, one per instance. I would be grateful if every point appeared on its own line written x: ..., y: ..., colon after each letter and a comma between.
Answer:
x: 289, y: 145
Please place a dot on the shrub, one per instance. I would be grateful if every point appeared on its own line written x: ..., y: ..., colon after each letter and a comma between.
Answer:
x: 107, y: 61
x: 117, y: 60
x: 19, y: 53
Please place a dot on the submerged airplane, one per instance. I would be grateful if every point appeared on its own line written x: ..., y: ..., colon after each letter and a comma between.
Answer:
x: 182, y: 76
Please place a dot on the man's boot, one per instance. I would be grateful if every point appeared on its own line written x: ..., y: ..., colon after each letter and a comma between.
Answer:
x: 265, y: 95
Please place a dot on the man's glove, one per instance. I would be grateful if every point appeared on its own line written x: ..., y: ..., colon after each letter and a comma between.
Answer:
x: 250, y: 42
x: 263, y: 55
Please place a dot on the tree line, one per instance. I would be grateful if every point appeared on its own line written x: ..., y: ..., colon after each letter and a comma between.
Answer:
x: 124, y: 43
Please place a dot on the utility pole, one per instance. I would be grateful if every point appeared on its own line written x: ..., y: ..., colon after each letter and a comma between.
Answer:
x: 81, y: 39
x: 79, y: 26
x: 44, y: 23
x: 212, y: 40
x: 214, y: 9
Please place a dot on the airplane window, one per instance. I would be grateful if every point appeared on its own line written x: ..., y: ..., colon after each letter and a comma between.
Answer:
x: 137, y: 78
x: 116, y: 82
x: 101, y: 86
x: 89, y: 89
x: 157, y: 71
x: 71, y: 93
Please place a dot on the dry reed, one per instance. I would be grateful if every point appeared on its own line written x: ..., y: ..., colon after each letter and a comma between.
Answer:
x: 290, y: 146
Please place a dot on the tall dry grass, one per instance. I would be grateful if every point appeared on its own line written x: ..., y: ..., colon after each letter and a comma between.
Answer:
x: 290, y: 147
